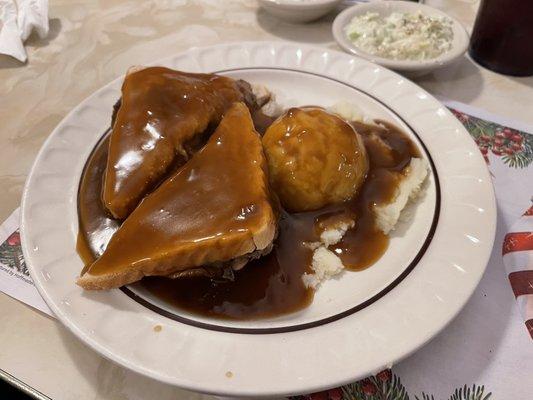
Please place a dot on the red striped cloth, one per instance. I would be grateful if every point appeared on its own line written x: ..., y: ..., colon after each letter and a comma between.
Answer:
x: 517, y: 251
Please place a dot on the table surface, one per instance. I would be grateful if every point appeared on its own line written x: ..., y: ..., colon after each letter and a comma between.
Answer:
x: 92, y: 42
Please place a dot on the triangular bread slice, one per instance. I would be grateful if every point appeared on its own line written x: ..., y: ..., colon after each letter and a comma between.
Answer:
x: 161, y: 111
x: 216, y: 208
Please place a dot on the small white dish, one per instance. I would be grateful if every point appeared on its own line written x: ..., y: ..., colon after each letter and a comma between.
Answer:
x: 406, y: 67
x: 298, y: 10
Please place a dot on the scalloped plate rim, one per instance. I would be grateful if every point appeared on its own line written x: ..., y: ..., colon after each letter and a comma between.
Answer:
x: 234, y: 387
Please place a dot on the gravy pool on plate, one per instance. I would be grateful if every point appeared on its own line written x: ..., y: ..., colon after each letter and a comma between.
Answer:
x: 271, y: 284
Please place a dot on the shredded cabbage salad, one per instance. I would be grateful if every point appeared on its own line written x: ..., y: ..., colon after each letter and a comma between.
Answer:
x: 401, y: 36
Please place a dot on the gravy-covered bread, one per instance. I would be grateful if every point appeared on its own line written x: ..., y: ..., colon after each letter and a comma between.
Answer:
x: 216, y: 208
x: 161, y: 110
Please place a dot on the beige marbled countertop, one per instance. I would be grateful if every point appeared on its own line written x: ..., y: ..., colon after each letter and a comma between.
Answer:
x: 92, y: 42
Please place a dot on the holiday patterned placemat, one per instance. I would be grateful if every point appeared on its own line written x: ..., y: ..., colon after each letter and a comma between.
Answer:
x: 15, y: 279
x: 485, y: 352
x: 518, y: 260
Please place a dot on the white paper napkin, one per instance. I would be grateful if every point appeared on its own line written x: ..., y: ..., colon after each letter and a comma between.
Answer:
x: 17, y: 20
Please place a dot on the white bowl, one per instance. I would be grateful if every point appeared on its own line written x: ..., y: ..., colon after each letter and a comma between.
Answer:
x: 298, y: 10
x: 406, y: 67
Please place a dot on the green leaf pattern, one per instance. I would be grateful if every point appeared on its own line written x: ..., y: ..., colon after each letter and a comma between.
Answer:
x: 11, y: 254
x: 513, y: 146
x: 387, y: 386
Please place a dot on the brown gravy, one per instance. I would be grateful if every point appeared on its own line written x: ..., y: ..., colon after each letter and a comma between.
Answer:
x: 364, y: 245
x: 272, y: 285
x: 95, y: 224
x: 161, y: 110
x: 266, y: 287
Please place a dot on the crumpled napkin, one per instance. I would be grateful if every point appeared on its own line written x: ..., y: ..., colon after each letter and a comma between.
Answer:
x: 18, y: 18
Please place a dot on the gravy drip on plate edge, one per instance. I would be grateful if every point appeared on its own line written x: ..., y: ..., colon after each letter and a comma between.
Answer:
x: 271, y: 285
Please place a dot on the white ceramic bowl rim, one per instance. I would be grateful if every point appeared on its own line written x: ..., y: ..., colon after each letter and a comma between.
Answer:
x: 302, y: 3
x: 459, y: 42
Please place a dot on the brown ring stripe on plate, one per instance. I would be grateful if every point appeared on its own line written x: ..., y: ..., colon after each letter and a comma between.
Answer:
x: 350, y: 311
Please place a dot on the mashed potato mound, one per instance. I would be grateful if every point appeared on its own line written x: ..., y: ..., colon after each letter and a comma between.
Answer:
x: 387, y: 215
x: 264, y: 96
x: 315, y: 158
x: 326, y: 264
x: 334, y: 234
x: 347, y: 110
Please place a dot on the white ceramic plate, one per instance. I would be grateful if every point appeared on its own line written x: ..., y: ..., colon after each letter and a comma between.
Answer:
x: 357, y: 324
x: 408, y: 67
